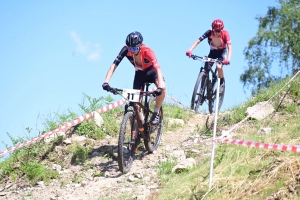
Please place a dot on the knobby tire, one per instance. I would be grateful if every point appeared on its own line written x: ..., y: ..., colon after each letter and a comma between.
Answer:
x: 152, y: 140
x: 221, y: 97
x: 126, y: 148
x: 198, y: 99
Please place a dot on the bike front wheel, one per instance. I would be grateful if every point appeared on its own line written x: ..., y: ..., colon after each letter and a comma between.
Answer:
x: 199, y: 91
x: 152, y: 139
x: 212, y: 103
x: 126, y: 145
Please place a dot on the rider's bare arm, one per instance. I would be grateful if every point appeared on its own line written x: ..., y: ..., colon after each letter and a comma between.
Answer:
x: 229, y: 52
x: 110, y: 72
x: 194, y: 45
x: 115, y: 64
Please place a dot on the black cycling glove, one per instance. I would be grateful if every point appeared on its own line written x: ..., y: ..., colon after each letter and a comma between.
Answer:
x: 106, y: 86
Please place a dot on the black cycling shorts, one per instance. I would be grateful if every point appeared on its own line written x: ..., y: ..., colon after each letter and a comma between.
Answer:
x: 141, y: 77
x: 217, y: 54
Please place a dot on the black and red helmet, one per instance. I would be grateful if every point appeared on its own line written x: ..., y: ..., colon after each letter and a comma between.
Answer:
x: 217, y: 24
x: 134, y: 39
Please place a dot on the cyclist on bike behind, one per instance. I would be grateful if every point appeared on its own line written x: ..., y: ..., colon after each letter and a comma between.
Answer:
x: 218, y: 40
x: 146, y: 67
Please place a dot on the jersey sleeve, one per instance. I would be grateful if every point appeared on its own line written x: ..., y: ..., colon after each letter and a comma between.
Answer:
x: 227, y: 38
x: 205, y: 35
x: 121, y: 55
x: 151, y: 56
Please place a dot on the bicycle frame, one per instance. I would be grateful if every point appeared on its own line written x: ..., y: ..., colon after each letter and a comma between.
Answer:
x: 129, y: 140
x: 204, y: 87
x: 210, y: 82
x: 136, y: 110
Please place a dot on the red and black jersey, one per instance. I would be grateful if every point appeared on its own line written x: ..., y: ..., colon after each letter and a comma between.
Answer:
x: 148, y: 58
x: 224, y: 35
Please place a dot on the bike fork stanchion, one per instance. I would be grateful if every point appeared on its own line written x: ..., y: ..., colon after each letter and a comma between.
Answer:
x: 214, y: 135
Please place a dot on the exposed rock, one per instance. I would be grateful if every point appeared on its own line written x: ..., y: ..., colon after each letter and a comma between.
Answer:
x: 67, y: 141
x: 98, y: 119
x: 260, y: 110
x: 99, y: 176
x: 54, y: 136
x: 265, y: 130
x: 188, y: 163
x: 56, y: 167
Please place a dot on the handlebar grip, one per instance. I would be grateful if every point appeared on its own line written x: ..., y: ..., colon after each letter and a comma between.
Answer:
x: 114, y: 90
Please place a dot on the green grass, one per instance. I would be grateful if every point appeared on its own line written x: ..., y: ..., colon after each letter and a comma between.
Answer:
x: 239, y: 172
x: 246, y: 172
x: 40, y: 156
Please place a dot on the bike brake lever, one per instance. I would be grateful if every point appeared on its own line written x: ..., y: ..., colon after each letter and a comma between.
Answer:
x: 153, y: 94
x: 114, y: 91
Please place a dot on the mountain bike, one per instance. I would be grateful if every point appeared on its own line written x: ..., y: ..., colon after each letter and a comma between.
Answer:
x: 136, y: 125
x: 205, y: 89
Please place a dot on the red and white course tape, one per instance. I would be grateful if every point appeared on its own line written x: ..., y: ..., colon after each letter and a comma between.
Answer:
x: 293, y: 148
x: 65, y: 126
x: 121, y: 102
x: 258, y: 108
x: 177, y: 101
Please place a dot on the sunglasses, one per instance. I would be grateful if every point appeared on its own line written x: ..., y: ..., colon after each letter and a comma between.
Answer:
x: 133, y: 48
x: 217, y: 30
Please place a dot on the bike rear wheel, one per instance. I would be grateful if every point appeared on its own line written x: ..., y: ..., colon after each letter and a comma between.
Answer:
x: 199, y: 91
x: 211, y: 104
x: 126, y: 145
x: 152, y: 139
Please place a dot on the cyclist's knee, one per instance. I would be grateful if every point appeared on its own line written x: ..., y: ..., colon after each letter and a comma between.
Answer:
x: 219, y: 66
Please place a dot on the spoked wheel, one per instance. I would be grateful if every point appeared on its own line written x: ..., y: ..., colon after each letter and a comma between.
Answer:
x: 126, y: 143
x: 199, y: 91
x: 211, y: 104
x: 152, y: 140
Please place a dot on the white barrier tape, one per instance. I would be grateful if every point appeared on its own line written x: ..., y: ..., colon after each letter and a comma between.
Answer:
x: 73, y: 123
x: 238, y: 124
x: 292, y: 148
x: 65, y: 126
x: 177, y: 101
x: 110, y: 107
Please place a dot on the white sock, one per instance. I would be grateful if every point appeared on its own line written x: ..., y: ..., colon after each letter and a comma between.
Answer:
x: 156, y: 109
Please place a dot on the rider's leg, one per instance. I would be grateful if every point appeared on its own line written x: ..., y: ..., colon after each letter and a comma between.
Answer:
x: 220, y: 70
x: 152, y: 77
x: 221, y: 76
x: 220, y: 66
x: 155, y: 118
x: 160, y: 98
x: 218, y: 54
x: 138, y: 82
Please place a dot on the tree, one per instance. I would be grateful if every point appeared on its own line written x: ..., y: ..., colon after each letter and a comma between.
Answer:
x: 277, y: 42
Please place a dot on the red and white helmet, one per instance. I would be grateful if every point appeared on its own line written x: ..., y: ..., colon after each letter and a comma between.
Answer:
x: 217, y: 24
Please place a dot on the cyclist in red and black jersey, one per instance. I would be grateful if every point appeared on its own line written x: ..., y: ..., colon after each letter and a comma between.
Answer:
x: 146, y: 67
x: 218, y: 40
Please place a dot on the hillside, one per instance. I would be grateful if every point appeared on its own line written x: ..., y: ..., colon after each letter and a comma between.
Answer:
x: 79, y: 181
x: 87, y: 169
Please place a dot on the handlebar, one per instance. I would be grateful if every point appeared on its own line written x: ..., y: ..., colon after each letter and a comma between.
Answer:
x: 116, y: 91
x: 207, y: 59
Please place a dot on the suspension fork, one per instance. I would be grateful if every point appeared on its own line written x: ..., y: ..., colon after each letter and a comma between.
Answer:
x: 210, y: 83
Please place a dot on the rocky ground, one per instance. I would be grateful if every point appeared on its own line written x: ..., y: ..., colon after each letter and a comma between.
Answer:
x: 140, y: 183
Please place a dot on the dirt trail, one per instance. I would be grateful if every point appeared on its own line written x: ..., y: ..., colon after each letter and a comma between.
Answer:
x: 139, y: 183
